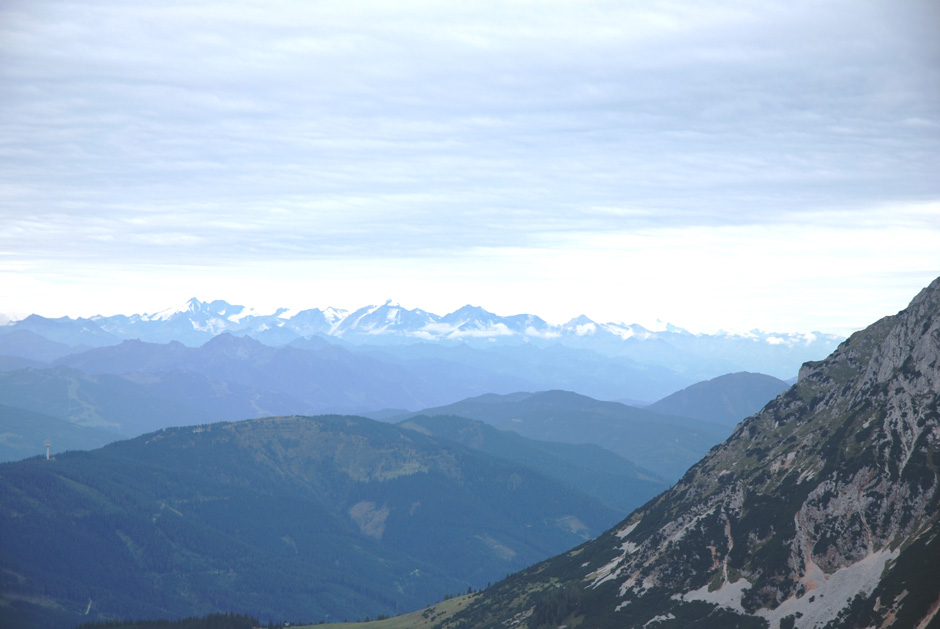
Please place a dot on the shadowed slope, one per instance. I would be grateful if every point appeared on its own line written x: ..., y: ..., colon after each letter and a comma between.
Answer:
x: 292, y: 517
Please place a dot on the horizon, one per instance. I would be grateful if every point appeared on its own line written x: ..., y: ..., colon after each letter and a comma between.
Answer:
x: 287, y: 312
x: 733, y: 165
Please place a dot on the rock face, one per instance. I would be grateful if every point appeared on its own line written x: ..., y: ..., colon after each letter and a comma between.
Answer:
x: 820, y: 511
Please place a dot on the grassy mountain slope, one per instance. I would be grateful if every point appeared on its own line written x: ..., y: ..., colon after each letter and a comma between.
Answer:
x: 293, y: 517
x: 823, y: 510
x: 600, y: 473
x: 667, y: 445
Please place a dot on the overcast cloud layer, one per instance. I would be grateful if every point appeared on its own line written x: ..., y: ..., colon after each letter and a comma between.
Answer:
x: 720, y: 164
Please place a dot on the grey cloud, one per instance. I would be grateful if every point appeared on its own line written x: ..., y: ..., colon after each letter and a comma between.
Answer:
x: 289, y: 130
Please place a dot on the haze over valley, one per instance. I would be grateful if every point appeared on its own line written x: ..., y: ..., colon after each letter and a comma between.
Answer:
x: 385, y: 362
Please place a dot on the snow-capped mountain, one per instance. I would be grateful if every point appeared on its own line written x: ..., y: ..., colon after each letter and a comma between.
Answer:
x: 696, y: 356
x: 389, y: 319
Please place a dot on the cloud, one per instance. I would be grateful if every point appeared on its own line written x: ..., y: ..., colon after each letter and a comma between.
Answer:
x: 212, y: 134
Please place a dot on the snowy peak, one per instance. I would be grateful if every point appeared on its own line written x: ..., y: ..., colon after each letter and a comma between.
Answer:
x: 190, y: 307
x: 201, y: 320
x: 469, y: 314
x: 580, y: 326
x: 579, y: 320
x: 469, y: 322
x: 194, y: 322
x: 529, y: 325
x: 388, y: 319
x: 314, y: 321
x: 211, y: 315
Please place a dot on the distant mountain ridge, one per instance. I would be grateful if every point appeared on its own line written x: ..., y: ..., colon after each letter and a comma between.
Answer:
x: 724, y: 400
x: 240, y: 377
x: 666, y: 444
x: 195, y: 322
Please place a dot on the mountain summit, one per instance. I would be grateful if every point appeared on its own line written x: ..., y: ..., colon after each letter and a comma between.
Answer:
x: 820, y: 511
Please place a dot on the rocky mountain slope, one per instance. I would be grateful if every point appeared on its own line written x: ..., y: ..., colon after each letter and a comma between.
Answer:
x: 820, y: 511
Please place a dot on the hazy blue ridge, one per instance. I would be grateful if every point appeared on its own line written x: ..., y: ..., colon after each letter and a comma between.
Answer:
x: 65, y: 330
x: 677, y: 354
x: 665, y: 444
x: 94, y: 400
x: 12, y: 363
x: 551, y: 365
x: 24, y: 433
x: 724, y: 400
x: 25, y: 343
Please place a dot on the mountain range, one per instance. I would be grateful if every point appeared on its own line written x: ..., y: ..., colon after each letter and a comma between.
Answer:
x: 136, y: 386
x: 695, y: 355
x: 112, y: 391
x: 821, y: 511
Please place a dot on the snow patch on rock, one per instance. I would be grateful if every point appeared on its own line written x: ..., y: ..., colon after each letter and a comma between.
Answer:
x: 728, y: 595
x: 828, y: 594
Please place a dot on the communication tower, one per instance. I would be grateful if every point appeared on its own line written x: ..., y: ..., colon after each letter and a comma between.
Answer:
x: 48, y: 445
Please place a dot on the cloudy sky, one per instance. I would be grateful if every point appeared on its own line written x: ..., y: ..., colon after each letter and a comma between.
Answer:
x: 727, y: 164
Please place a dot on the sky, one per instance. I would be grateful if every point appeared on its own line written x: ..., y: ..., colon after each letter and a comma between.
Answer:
x: 718, y: 165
